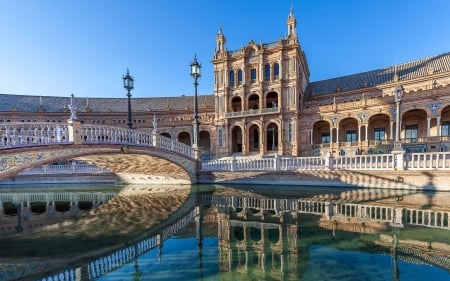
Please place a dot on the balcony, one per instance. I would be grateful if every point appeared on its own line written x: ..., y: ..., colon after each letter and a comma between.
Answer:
x: 252, y: 112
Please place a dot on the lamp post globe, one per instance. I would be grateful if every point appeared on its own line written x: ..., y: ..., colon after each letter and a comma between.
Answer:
x: 195, y: 73
x: 128, y: 84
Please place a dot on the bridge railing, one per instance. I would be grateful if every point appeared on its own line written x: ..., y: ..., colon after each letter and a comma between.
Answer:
x: 64, y: 169
x: 21, y: 134
x: 98, y: 134
x: 403, y: 161
x: 17, y: 134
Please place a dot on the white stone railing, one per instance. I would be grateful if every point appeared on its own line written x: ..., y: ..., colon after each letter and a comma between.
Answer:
x: 365, y: 162
x: 429, y: 160
x: 66, y: 169
x: 97, y: 134
x: 252, y: 112
x: 16, y: 134
x: 402, y: 161
x: 21, y: 134
x: 265, y: 164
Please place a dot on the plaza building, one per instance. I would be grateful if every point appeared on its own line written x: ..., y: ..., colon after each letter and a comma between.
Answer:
x: 263, y: 103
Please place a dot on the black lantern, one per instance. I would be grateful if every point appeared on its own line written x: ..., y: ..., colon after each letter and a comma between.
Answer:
x: 128, y: 84
x: 195, y: 73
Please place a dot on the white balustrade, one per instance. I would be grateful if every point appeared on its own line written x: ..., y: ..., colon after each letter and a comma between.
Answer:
x: 65, y: 169
x: 427, y: 160
x: 18, y: 134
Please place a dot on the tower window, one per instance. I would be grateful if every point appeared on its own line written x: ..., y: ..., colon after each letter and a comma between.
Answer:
x: 231, y: 78
x: 240, y: 77
x: 253, y: 75
x: 276, y: 71
x: 267, y: 72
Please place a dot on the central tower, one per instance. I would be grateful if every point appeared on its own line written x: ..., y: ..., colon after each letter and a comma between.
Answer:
x: 258, y: 92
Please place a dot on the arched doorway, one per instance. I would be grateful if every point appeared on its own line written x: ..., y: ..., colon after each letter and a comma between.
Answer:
x: 253, y: 102
x: 348, y: 130
x: 167, y: 135
x: 253, y: 134
x: 414, y: 126
x: 321, y: 134
x: 205, y: 141
x: 185, y: 137
x: 236, y: 139
x: 272, y: 100
x: 272, y: 137
x: 236, y: 104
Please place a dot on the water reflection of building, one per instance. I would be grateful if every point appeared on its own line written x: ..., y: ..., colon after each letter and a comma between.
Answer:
x: 27, y: 211
x: 261, y: 237
x: 257, y: 239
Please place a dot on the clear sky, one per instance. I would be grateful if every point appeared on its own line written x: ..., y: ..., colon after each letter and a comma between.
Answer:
x: 84, y: 47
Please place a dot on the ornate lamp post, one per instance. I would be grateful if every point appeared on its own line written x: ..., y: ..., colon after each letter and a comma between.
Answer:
x: 128, y: 84
x: 398, y: 97
x: 195, y: 73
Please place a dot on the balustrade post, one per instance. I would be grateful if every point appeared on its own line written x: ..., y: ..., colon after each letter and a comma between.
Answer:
x: 155, y: 142
x: 74, y: 131
x: 399, y: 160
x: 233, y: 163
x: 329, y: 159
x: 329, y: 207
x: 276, y: 163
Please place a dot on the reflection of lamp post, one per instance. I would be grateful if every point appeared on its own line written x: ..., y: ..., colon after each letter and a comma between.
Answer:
x: 19, y: 227
x: 398, y: 97
x: 128, y: 84
x: 195, y: 73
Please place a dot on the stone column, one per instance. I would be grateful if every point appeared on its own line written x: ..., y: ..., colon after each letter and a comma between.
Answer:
x: 428, y: 126
x: 438, y: 126
x: 74, y: 131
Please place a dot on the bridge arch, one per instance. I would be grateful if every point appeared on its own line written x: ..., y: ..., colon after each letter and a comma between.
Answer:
x: 132, y: 163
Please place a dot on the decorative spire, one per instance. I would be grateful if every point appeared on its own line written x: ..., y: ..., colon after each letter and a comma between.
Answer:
x: 291, y: 23
x: 395, y: 74
x: 220, y: 41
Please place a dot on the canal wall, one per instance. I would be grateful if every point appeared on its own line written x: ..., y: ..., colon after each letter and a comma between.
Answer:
x: 430, y: 180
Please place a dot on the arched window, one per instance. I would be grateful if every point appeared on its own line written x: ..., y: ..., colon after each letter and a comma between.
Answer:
x: 267, y: 72
x: 240, y: 77
x: 231, y: 78
x: 276, y: 71
x: 253, y: 75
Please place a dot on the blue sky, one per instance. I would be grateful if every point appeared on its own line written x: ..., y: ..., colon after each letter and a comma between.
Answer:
x: 84, y: 47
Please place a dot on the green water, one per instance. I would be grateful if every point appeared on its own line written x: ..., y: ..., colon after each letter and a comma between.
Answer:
x: 228, y: 243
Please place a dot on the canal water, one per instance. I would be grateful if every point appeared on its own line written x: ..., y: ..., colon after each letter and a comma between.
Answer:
x: 215, y: 232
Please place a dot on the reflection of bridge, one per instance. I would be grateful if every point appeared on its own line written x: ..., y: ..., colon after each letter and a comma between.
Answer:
x: 123, y: 151
x: 123, y: 255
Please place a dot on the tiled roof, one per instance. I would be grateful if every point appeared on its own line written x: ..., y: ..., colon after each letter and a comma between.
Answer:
x: 406, y: 71
x: 25, y: 103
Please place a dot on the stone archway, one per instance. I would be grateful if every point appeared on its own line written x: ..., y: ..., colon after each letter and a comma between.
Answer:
x: 236, y: 104
x: 236, y: 140
x: 254, y: 138
x: 184, y: 137
x: 205, y: 141
x: 272, y: 100
x: 167, y: 135
x: 272, y: 137
x: 253, y: 102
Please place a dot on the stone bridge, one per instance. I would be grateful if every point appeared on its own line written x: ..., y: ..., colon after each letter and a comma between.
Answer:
x: 130, y: 154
